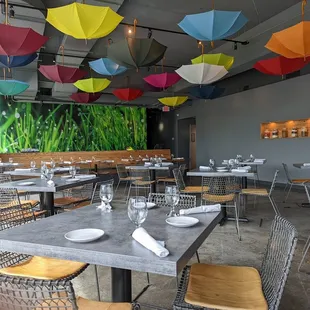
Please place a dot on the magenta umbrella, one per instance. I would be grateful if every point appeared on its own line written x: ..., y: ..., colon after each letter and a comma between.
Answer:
x: 62, y: 74
x: 162, y: 80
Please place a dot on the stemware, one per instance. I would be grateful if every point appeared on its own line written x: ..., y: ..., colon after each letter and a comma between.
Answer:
x: 212, y: 163
x: 33, y: 165
x: 231, y: 163
x: 106, y: 196
x: 43, y: 170
x: 172, y: 197
x: 11, y: 160
x: 49, y: 174
x: 137, y: 210
x: 72, y: 171
x: 53, y: 164
x: 252, y: 158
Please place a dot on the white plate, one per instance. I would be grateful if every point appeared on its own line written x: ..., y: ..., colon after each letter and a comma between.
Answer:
x: 84, y: 235
x: 26, y: 183
x: 150, y: 205
x: 182, y: 221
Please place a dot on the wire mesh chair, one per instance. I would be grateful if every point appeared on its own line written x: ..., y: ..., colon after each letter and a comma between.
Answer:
x: 141, y: 181
x: 179, y: 180
x: 123, y: 176
x: 291, y: 182
x: 223, y: 191
x: 272, y: 275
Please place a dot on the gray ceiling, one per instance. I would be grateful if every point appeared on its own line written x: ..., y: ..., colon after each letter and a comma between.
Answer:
x: 264, y: 16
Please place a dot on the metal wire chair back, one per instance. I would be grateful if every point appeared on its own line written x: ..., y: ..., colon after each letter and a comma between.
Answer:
x: 140, y: 177
x: 182, y: 168
x: 30, y: 294
x: 277, y: 260
x: 185, y: 202
x: 273, y: 184
x: 287, y: 174
x: 9, y: 197
x: 219, y: 189
x: 121, y: 171
x: 179, y: 179
x: 96, y: 191
x: 5, y: 178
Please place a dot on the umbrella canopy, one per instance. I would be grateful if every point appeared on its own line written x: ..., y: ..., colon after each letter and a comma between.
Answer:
x: 106, y: 66
x: 136, y: 53
x: 62, y: 74
x: 173, y: 101
x: 16, y: 61
x: 206, y: 92
x: 18, y: 41
x: 215, y: 59
x: 162, y: 80
x: 201, y: 73
x: 85, y: 97
x: 292, y: 42
x: 92, y: 85
x: 127, y: 94
x: 12, y: 87
x: 280, y: 65
x: 213, y: 25
x: 85, y: 21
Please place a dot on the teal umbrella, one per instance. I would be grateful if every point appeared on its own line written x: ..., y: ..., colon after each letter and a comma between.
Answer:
x: 12, y: 87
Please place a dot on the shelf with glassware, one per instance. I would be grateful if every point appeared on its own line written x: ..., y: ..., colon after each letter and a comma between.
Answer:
x: 285, y: 129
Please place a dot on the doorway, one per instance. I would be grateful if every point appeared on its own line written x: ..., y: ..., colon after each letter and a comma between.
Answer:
x: 186, y: 141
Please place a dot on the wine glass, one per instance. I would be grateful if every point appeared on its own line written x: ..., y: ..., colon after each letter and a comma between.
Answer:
x: 231, y: 163
x: 43, y: 170
x: 53, y: 164
x: 72, y: 171
x: 33, y: 165
x: 11, y: 160
x: 172, y: 197
x: 252, y: 158
x: 137, y: 210
x: 106, y: 196
x: 212, y: 163
x: 49, y: 174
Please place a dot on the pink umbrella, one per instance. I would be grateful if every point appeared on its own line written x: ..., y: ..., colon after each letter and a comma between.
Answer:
x: 62, y: 74
x: 162, y: 80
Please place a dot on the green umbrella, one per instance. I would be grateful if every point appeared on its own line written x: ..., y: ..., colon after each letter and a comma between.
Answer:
x: 135, y: 52
x: 12, y: 87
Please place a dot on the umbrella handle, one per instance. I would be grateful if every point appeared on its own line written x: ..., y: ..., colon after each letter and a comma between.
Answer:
x: 303, y: 4
x: 6, y: 12
x: 62, y: 48
x: 135, y: 22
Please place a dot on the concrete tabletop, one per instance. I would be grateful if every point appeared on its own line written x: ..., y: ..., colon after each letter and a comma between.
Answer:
x: 10, y: 164
x: 41, y: 186
x: 116, y: 248
x: 151, y: 167
x: 35, y: 172
x: 200, y: 173
x: 301, y: 166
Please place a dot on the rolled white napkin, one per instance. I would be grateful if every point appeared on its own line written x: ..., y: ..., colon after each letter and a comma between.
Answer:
x: 201, y: 209
x: 240, y: 170
x: 245, y: 168
x: 85, y: 176
x: 257, y: 160
x: 204, y: 168
x: 23, y: 169
x: 50, y: 183
x: 125, y: 159
x: 147, y: 164
x: 305, y: 164
x: 145, y: 159
x: 157, y: 165
x: 142, y: 236
x: 67, y: 162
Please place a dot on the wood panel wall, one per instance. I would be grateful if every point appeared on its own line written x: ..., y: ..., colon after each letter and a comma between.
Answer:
x: 117, y: 156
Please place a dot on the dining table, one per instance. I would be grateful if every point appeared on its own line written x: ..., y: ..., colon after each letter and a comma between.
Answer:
x: 116, y: 248
x: 47, y: 191
x: 302, y: 165
x: 36, y: 172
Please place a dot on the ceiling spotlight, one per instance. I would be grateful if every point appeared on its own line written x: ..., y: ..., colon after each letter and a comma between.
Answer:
x: 150, y: 33
x: 235, y: 46
x: 11, y: 12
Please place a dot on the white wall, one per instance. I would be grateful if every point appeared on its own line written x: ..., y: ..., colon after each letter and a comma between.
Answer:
x: 231, y: 125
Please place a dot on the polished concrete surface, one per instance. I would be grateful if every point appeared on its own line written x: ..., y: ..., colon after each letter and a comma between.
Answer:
x: 223, y: 247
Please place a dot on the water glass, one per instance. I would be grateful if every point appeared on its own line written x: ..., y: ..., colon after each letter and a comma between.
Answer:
x: 11, y: 160
x: 43, y: 170
x: 49, y: 174
x: 72, y: 171
x: 106, y: 196
x: 252, y: 158
x: 172, y: 197
x: 53, y: 164
x: 33, y: 165
x: 212, y: 163
x: 137, y: 210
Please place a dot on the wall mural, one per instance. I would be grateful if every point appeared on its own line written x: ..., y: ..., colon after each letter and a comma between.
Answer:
x: 52, y: 128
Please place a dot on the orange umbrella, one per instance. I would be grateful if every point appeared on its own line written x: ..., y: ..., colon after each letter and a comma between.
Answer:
x: 292, y: 42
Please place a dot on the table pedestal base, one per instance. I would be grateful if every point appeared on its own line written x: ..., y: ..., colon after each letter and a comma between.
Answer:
x: 47, y: 203
x: 121, y: 285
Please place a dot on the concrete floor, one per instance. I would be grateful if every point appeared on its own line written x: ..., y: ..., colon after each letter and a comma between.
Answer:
x: 223, y: 247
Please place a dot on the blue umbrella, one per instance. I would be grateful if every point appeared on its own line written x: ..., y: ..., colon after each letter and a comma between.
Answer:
x: 213, y: 25
x: 17, y: 61
x: 206, y: 92
x: 105, y: 66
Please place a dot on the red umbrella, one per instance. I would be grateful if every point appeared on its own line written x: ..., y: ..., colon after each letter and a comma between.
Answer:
x: 162, y: 80
x: 85, y: 97
x: 281, y: 65
x: 18, y: 41
x: 127, y: 94
x: 62, y: 74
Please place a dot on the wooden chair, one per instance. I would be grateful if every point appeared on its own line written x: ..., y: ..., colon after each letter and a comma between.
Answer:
x: 291, y: 182
x: 181, y: 184
x: 205, y: 286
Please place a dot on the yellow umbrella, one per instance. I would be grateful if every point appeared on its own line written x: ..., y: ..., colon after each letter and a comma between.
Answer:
x: 215, y: 59
x: 173, y: 101
x: 83, y: 21
x: 92, y: 85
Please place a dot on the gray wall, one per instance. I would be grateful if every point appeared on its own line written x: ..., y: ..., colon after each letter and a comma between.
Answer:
x: 231, y: 125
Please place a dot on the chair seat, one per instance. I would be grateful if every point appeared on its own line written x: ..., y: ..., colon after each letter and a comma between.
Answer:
x: 166, y: 180
x: 78, y: 206
x: 255, y: 191
x: 218, y: 198
x: 65, y: 201
x: 44, y: 268
x: 143, y: 183
x: 192, y: 189
x: 39, y: 213
x: 33, y: 202
x: 86, y: 304
x: 297, y: 181
x: 225, y: 288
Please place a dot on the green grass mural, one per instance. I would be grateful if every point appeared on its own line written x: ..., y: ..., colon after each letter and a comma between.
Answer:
x: 59, y: 128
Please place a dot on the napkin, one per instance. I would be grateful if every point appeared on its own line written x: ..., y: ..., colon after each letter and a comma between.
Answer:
x: 157, y: 165
x: 245, y: 168
x: 67, y: 162
x: 166, y: 164
x: 201, y: 209
x: 85, y: 176
x: 142, y: 236
x: 240, y: 170
x: 305, y: 164
x: 50, y: 183
x: 23, y: 169
x: 147, y: 164
x: 256, y: 160
x: 145, y: 159
x: 125, y: 159
x: 206, y: 168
